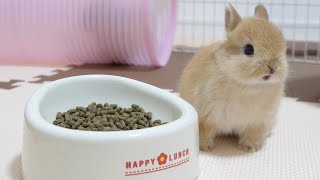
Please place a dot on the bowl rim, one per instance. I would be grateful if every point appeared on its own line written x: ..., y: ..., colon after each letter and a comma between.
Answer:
x: 34, y: 119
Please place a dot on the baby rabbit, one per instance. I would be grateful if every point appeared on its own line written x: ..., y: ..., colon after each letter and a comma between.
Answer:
x: 236, y: 85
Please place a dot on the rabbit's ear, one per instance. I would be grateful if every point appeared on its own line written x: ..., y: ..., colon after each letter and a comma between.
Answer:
x: 261, y: 12
x: 231, y: 18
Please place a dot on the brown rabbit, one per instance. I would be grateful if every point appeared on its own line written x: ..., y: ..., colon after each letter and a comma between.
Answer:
x: 236, y: 85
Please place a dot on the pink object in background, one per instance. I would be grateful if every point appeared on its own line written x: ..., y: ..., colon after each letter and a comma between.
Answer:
x: 135, y: 32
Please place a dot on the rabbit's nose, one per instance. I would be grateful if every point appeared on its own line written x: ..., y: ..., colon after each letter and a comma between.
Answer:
x: 272, y: 70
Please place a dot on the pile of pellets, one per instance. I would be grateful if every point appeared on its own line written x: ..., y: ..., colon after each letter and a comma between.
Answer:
x: 105, y: 117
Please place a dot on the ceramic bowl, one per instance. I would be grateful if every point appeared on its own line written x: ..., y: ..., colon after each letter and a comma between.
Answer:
x: 51, y: 152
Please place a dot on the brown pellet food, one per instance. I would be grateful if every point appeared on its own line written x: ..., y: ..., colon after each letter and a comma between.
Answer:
x: 106, y: 117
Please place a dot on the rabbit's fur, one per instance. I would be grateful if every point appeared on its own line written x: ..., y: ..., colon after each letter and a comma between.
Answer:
x: 235, y: 93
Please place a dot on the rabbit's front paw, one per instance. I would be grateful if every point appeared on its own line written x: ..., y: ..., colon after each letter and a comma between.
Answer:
x: 250, y: 144
x: 253, y: 137
x: 207, y: 144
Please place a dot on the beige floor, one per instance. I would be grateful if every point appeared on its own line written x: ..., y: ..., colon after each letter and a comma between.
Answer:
x: 303, y: 82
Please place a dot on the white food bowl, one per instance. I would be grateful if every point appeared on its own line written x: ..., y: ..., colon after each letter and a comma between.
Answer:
x: 55, y: 153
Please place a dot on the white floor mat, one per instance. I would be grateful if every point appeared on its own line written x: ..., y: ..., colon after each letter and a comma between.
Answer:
x: 291, y: 152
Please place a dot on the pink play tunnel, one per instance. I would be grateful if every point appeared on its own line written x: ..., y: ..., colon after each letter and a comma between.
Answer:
x: 134, y: 32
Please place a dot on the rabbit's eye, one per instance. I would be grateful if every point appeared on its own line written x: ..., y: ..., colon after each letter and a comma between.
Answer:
x: 248, y: 49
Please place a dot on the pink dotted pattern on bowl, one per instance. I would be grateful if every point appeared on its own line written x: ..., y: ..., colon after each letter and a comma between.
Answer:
x: 134, y: 32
